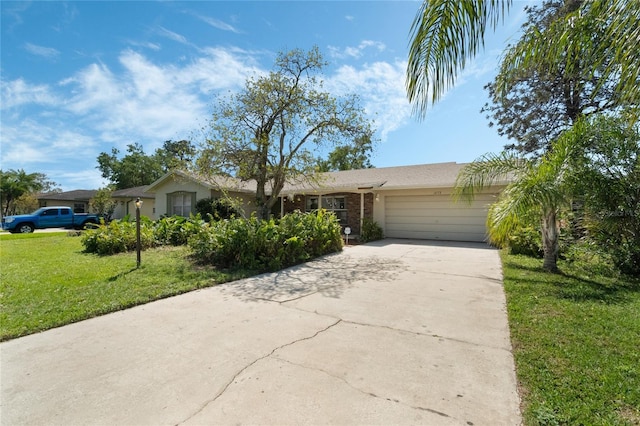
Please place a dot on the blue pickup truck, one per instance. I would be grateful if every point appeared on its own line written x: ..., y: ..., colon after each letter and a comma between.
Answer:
x: 48, y: 217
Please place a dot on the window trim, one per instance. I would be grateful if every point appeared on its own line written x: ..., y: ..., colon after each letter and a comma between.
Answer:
x: 171, y: 196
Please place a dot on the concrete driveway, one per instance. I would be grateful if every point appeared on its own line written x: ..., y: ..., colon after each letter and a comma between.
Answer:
x: 394, y: 332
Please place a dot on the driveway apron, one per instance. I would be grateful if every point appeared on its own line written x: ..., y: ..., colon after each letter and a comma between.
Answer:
x: 392, y: 332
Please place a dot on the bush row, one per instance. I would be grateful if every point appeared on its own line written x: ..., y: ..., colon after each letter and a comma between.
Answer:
x: 119, y: 236
x: 242, y: 243
x: 267, y: 245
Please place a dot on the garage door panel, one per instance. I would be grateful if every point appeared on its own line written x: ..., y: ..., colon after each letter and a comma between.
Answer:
x: 444, y: 236
x: 436, y: 217
x: 456, y: 216
x: 435, y: 227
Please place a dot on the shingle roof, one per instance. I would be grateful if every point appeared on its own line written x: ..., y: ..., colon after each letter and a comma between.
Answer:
x: 137, y: 191
x: 439, y: 175
x: 223, y: 182
x: 76, y: 195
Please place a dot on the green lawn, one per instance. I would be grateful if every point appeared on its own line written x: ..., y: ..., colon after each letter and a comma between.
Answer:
x: 47, y: 281
x: 576, y: 341
x: 575, y: 336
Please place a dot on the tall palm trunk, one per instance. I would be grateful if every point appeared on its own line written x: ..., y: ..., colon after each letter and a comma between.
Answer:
x: 550, y: 245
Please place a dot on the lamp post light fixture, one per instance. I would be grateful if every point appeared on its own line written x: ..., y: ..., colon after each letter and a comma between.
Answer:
x: 138, y: 205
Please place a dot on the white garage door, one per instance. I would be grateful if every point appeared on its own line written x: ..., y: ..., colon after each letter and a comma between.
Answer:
x: 436, y: 217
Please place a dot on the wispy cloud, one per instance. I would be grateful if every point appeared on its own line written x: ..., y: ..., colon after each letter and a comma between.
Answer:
x: 45, y: 52
x: 162, y: 31
x: 355, y: 51
x: 216, y: 23
x: 18, y: 92
x: 15, y: 10
x: 381, y: 88
x: 145, y: 44
x: 142, y: 100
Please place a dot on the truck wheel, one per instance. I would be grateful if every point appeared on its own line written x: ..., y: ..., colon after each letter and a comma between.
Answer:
x: 25, y: 228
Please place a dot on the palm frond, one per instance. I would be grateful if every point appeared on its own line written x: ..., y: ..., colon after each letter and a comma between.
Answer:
x: 489, y: 170
x: 445, y: 34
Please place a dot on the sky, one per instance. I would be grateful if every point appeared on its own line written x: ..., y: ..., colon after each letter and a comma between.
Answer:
x: 83, y: 77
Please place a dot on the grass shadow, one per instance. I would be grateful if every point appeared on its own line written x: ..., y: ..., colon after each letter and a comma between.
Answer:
x: 583, y: 289
x: 121, y: 275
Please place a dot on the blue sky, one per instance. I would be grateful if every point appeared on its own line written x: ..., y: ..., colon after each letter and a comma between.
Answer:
x: 80, y: 78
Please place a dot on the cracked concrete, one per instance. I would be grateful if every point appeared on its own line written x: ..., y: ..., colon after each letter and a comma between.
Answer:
x: 395, y: 332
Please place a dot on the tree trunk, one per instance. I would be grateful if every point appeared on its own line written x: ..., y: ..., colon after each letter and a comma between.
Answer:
x: 550, y: 241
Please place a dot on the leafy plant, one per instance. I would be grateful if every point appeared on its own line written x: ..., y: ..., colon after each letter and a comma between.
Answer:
x: 267, y: 244
x: 176, y: 230
x: 217, y: 209
x: 118, y: 236
x: 371, y: 231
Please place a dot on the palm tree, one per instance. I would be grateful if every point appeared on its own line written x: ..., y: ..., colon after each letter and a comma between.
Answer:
x: 15, y: 183
x: 537, y: 188
x: 447, y: 33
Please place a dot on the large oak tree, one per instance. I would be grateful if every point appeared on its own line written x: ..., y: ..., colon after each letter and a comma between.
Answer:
x: 270, y: 131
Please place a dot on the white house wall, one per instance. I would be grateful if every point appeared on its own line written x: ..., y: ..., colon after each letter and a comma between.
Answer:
x: 202, y: 191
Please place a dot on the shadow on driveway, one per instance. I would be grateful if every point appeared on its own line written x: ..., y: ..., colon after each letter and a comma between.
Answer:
x: 329, y: 276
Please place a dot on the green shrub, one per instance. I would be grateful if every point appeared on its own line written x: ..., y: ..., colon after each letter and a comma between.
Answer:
x: 176, y: 230
x: 118, y: 236
x: 525, y: 240
x: 371, y: 231
x: 267, y: 245
x: 217, y: 209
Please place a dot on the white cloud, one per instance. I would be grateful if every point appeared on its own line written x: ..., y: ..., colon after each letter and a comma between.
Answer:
x: 172, y: 36
x: 45, y: 52
x: 218, y: 24
x: 151, y: 102
x: 145, y: 101
x: 381, y: 88
x: 36, y: 141
x: 145, y: 44
x: 18, y: 92
x: 90, y: 178
x: 355, y: 51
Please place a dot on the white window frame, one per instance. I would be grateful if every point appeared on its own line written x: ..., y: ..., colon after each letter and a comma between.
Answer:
x: 181, y: 203
x: 333, y: 203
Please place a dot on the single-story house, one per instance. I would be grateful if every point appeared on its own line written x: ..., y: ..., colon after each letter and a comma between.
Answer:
x: 78, y: 199
x: 406, y: 201
x: 125, y: 199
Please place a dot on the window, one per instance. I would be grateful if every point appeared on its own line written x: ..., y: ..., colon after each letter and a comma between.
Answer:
x: 337, y: 205
x: 180, y: 203
x: 66, y: 212
x: 78, y: 208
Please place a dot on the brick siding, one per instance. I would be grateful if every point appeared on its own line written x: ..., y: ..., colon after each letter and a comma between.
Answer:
x: 352, y: 202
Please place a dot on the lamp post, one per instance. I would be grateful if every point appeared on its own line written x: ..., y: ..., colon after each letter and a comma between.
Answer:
x: 138, y: 205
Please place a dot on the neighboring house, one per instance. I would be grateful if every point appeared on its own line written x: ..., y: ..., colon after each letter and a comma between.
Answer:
x: 406, y: 201
x: 125, y: 199
x: 78, y: 200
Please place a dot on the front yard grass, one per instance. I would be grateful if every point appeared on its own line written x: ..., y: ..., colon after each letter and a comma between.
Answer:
x: 576, y: 343
x: 47, y: 281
